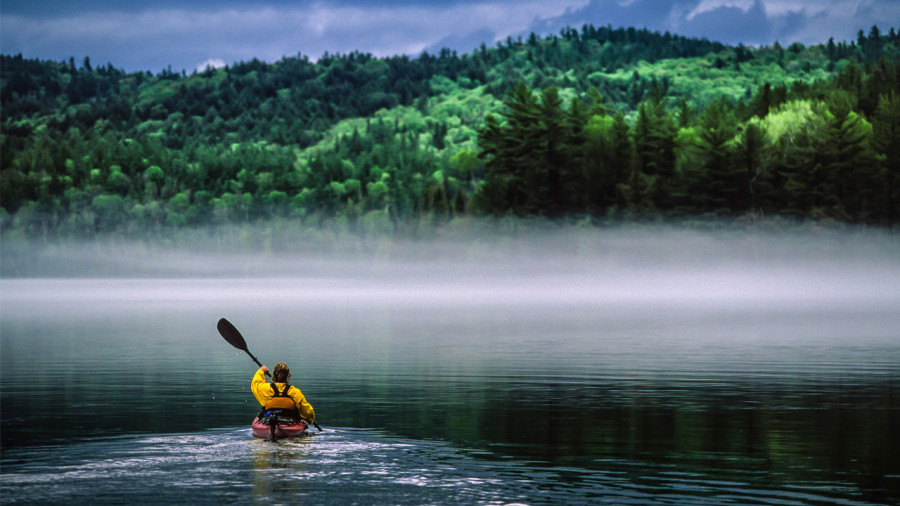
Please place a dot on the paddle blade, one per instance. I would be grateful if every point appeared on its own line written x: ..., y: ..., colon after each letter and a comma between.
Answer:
x: 231, y: 334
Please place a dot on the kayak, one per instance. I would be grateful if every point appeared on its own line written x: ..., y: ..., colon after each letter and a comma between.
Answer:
x: 279, y: 430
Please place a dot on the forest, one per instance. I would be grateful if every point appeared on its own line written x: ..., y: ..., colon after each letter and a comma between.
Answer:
x: 604, y: 124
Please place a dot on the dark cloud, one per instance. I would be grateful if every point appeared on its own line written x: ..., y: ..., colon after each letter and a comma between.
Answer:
x: 189, y: 35
x: 152, y: 34
x: 650, y: 14
x: 731, y: 24
x: 55, y: 7
x: 794, y: 22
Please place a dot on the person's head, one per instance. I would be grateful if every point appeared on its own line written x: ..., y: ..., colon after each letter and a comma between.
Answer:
x: 281, y: 373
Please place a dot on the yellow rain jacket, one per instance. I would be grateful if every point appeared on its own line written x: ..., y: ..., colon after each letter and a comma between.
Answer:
x: 265, y: 395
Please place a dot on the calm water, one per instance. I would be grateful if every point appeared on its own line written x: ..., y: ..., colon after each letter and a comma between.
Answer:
x: 703, y: 372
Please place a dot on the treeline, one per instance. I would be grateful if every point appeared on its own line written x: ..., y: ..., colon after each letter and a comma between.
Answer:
x: 294, y: 100
x: 826, y: 151
x: 385, y: 174
x: 90, y: 150
x: 291, y: 102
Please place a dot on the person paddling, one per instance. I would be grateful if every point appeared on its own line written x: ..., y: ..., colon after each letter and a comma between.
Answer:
x: 279, y: 398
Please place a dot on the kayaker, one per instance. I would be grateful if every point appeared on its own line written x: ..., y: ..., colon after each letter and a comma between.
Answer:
x: 280, y: 395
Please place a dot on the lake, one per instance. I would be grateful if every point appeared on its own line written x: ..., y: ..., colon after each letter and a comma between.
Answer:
x: 644, y: 368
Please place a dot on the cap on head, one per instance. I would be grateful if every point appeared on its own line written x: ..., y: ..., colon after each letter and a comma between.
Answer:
x: 281, y: 373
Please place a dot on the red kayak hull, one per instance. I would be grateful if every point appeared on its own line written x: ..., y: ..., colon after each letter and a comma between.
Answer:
x: 282, y: 430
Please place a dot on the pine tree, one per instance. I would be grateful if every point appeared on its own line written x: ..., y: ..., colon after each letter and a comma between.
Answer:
x: 750, y: 155
x: 886, y: 143
x: 844, y: 150
x: 720, y: 185
x: 654, y: 143
x: 507, y: 149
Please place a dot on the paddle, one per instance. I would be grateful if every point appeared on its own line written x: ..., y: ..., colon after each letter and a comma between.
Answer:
x: 234, y: 338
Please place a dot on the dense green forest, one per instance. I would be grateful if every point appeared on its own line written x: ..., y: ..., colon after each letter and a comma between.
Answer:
x: 597, y: 123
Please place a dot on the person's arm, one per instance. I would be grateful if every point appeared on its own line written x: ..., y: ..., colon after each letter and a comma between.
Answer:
x: 305, y: 408
x: 259, y: 379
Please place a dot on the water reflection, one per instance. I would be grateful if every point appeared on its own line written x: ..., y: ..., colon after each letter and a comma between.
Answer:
x: 730, y: 381
x: 279, y: 468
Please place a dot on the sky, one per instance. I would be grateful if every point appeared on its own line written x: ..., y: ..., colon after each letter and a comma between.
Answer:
x: 154, y: 35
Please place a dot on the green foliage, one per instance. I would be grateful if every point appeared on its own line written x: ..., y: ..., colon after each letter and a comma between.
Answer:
x: 797, y: 155
x: 529, y: 158
x: 886, y: 144
x: 107, y: 209
x: 650, y: 183
x: 586, y: 122
x: 718, y: 184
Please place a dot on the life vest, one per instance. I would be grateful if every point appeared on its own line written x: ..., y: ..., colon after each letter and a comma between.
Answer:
x: 281, y: 400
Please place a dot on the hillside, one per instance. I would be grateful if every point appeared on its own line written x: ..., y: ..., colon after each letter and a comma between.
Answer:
x: 597, y: 122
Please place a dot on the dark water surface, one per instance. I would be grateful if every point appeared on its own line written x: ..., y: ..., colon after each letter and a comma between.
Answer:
x: 587, y: 379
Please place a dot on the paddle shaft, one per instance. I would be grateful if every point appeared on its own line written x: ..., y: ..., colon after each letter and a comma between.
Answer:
x: 257, y: 361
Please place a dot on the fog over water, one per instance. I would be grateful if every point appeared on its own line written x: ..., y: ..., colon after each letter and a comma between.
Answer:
x: 654, y: 266
x: 636, y: 364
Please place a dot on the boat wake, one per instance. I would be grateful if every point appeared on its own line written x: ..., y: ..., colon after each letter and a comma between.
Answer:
x: 347, y: 465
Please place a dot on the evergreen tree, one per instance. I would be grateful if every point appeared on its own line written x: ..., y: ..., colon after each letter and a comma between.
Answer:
x: 844, y: 151
x: 653, y: 176
x: 885, y: 202
x: 750, y: 154
x: 719, y: 183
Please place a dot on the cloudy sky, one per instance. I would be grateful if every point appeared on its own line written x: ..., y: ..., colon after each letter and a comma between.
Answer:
x: 153, y: 34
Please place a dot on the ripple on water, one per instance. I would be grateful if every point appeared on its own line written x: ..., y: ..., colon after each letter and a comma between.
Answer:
x: 354, y: 465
